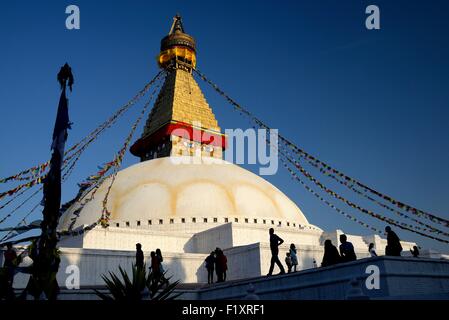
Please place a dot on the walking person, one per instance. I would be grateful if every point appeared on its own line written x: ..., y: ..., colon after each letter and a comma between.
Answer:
x: 347, y: 252
x: 210, y: 266
x: 393, y: 247
x: 294, y: 256
x: 371, y: 250
x: 139, y: 257
x: 275, y: 242
x: 331, y: 255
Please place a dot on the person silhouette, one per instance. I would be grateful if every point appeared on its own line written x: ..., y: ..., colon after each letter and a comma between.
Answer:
x: 393, y: 247
x: 210, y: 266
x: 223, y: 260
x: 331, y: 255
x: 9, y: 264
x: 371, y: 250
x: 415, y: 252
x: 221, y: 265
x: 161, y: 267
x: 294, y: 256
x: 275, y: 242
x: 155, y: 270
x: 139, y: 257
x: 346, y: 249
x: 288, y: 262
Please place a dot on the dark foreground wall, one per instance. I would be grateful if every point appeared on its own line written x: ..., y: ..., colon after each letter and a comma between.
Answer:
x: 399, y: 278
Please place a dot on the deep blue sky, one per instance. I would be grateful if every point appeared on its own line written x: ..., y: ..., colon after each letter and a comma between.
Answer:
x: 374, y: 104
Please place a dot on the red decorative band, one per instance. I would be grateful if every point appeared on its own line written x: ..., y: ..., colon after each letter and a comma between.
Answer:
x: 180, y: 129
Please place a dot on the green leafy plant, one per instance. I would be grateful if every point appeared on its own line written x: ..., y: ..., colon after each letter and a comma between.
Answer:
x: 134, y: 289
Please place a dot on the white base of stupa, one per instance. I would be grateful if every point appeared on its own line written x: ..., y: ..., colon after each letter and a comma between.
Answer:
x: 245, y: 245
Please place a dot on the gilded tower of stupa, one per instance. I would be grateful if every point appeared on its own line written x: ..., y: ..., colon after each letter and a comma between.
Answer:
x: 181, y: 122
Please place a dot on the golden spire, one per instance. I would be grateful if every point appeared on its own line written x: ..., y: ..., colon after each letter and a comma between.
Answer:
x: 181, y: 122
x: 178, y: 49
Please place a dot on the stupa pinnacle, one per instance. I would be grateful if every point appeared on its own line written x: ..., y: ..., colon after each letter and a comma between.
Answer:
x: 181, y: 122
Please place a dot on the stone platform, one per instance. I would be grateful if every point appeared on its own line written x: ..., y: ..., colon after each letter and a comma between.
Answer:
x: 401, y: 278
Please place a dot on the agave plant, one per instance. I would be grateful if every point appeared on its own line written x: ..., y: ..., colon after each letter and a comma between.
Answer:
x: 138, y: 287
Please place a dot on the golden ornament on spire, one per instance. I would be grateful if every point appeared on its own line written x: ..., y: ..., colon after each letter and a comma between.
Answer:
x: 177, y: 48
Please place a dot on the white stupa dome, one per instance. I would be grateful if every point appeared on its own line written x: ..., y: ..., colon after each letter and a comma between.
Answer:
x: 185, y: 188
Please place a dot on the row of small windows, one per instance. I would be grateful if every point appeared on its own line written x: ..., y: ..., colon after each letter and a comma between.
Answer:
x: 189, y: 144
x: 215, y: 220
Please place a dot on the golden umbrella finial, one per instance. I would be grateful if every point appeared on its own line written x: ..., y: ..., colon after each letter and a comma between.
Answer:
x: 178, y: 49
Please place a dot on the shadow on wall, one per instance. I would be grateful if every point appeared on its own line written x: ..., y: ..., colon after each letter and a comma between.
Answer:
x: 190, y: 245
x: 174, y: 270
x: 201, y: 274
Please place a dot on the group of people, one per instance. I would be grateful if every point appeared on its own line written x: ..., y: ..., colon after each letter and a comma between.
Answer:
x: 332, y: 255
x: 11, y: 267
x: 216, y: 261
x: 346, y: 253
x: 156, y: 268
x: 291, y: 257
